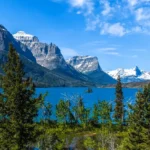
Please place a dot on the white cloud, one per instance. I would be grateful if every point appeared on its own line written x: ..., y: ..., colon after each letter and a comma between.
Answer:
x: 113, y: 53
x: 92, y: 22
x: 132, y: 2
x: 116, y: 18
x: 114, y: 29
x: 142, y: 14
x: 77, y: 3
x: 68, y: 52
x: 107, y: 8
x: 107, y: 49
x: 137, y: 29
x: 86, y: 6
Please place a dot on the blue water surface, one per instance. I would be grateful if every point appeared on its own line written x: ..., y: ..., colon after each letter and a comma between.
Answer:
x: 55, y: 94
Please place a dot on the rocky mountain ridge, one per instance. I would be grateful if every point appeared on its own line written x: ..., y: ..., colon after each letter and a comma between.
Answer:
x: 6, y: 38
x: 42, y: 76
x: 47, y: 55
x: 85, y: 64
x: 89, y: 66
x: 130, y: 75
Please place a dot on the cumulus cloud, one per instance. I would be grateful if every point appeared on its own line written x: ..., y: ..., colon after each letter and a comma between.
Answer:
x: 77, y: 3
x: 142, y: 14
x: 132, y: 2
x: 92, y: 22
x: 116, y: 18
x: 114, y: 29
x: 107, y: 9
x: 86, y: 6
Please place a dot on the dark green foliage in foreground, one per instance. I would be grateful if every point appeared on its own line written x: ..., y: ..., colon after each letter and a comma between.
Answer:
x: 62, y: 111
x: 95, y: 114
x: 81, y: 112
x: 102, y: 113
x: 139, y: 122
x: 18, y: 107
x: 119, y: 107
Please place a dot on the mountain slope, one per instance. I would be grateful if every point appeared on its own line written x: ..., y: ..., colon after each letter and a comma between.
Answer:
x: 6, y: 38
x: 42, y: 76
x: 130, y: 75
x: 49, y: 56
x: 90, y: 66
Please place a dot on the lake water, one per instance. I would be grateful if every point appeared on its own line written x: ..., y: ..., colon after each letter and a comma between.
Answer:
x: 55, y: 94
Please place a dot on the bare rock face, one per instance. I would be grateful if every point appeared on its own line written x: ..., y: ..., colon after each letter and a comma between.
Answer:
x: 85, y: 64
x: 24, y: 37
x: 6, y: 38
x: 89, y: 65
x: 47, y: 55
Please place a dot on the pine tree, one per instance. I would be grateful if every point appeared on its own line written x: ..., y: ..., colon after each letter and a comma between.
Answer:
x: 139, y: 122
x: 95, y: 114
x: 62, y: 111
x: 47, y: 112
x: 104, y: 112
x: 18, y: 106
x: 81, y: 113
x: 119, y: 107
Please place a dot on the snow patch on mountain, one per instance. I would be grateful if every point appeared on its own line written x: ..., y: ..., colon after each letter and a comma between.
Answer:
x: 130, y: 75
x: 85, y: 64
x: 24, y: 37
x: 89, y: 65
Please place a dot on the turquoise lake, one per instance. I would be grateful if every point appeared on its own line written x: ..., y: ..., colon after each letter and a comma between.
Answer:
x: 55, y: 94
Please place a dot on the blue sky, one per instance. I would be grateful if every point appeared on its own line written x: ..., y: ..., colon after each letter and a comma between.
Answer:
x: 116, y: 31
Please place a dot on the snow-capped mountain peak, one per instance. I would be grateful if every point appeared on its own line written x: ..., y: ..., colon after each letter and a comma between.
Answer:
x: 22, y: 33
x: 90, y: 66
x: 47, y: 55
x: 25, y: 37
x: 85, y: 64
x: 130, y: 75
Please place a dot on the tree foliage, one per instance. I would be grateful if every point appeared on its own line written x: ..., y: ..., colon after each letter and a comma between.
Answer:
x: 139, y: 122
x: 119, y: 105
x: 18, y: 106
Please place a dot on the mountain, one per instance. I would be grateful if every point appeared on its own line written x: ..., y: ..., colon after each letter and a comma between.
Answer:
x: 41, y: 75
x: 130, y: 75
x: 89, y: 66
x: 47, y: 55
x: 85, y: 64
x: 6, y: 38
